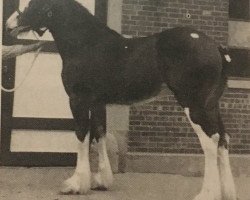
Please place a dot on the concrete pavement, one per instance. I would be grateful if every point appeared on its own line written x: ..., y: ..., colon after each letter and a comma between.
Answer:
x: 44, y: 184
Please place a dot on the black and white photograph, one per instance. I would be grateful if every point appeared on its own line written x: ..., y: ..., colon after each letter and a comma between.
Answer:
x: 125, y: 100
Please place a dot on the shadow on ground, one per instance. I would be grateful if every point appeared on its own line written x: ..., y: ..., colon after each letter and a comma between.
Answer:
x: 44, y: 184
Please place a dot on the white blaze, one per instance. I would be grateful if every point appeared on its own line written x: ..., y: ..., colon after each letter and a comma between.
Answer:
x: 12, y: 21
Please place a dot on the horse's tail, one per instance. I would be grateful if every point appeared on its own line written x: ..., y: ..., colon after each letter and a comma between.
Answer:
x: 218, y: 88
x: 226, y: 59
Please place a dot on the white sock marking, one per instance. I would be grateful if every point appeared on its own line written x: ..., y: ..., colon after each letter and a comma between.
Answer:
x: 211, y: 183
x: 81, y: 180
x: 83, y: 156
x: 227, y: 181
x: 104, y: 177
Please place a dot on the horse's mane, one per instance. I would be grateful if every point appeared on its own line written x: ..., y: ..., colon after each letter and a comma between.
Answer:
x: 84, y: 13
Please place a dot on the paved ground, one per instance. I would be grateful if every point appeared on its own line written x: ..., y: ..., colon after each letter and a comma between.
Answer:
x: 44, y: 184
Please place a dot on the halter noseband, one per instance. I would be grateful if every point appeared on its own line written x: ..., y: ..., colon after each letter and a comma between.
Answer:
x: 39, y: 31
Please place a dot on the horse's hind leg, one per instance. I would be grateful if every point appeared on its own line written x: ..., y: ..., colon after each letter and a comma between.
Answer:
x: 103, y: 179
x: 218, y: 183
x: 227, y: 182
x: 80, y: 182
x: 209, y: 138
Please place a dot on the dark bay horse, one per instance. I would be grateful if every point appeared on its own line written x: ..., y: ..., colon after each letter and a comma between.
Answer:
x: 101, y: 67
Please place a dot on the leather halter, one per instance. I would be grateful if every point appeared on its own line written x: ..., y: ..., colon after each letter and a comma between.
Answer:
x: 39, y: 31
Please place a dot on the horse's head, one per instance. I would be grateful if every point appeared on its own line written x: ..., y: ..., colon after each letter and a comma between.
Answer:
x: 35, y: 16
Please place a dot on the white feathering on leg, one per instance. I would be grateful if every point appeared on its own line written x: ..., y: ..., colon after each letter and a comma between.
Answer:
x: 80, y: 182
x: 226, y: 177
x: 104, y: 178
x: 211, y: 189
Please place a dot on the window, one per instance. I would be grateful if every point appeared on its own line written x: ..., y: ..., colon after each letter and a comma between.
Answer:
x: 238, y: 41
x: 239, y: 9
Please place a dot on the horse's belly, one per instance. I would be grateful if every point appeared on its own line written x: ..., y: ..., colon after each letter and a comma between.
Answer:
x: 138, y: 89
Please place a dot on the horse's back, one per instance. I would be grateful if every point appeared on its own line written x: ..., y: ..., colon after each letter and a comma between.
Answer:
x: 191, y: 64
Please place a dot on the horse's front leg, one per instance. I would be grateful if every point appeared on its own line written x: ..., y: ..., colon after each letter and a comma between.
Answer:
x: 103, y: 179
x: 80, y: 182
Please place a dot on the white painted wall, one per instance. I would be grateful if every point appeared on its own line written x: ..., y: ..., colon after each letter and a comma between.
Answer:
x: 42, y: 95
x: 43, y: 141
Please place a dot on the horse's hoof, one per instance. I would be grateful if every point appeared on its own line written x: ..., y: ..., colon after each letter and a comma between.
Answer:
x: 100, y: 182
x: 78, y: 184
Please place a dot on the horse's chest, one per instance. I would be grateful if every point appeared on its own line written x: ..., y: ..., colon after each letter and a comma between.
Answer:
x: 86, y: 75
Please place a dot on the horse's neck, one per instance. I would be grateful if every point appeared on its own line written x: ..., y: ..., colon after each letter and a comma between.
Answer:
x: 74, y: 34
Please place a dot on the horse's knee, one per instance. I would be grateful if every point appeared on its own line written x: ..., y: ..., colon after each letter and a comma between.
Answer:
x: 81, y: 133
x: 207, y: 119
x: 98, y: 122
x: 196, y: 116
x: 97, y: 132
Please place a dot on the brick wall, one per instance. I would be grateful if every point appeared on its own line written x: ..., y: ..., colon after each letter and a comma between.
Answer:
x: 161, y: 126
x: 144, y: 17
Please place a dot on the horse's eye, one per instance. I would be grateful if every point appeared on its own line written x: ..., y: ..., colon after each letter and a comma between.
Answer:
x: 49, y: 14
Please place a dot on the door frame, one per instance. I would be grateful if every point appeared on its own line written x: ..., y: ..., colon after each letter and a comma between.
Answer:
x: 8, y: 122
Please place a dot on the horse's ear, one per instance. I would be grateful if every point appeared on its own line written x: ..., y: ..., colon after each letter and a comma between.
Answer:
x: 48, y: 5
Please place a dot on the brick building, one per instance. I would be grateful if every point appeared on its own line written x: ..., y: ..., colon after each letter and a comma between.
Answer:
x: 145, y: 17
x: 161, y: 127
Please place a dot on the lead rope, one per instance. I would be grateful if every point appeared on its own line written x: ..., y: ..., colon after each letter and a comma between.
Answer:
x: 27, y: 73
